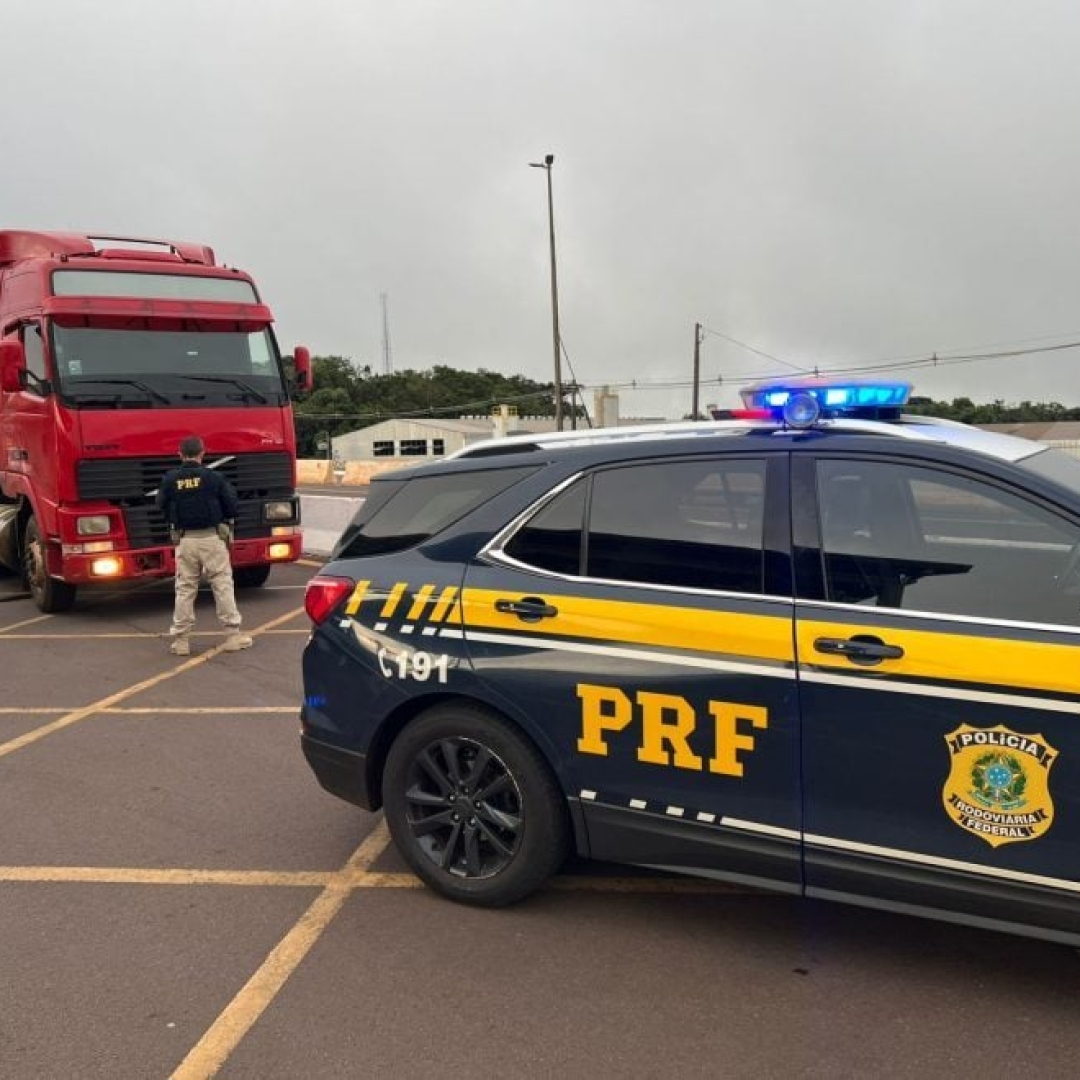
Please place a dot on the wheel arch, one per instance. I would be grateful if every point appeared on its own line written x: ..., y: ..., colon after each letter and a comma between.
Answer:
x: 396, y: 722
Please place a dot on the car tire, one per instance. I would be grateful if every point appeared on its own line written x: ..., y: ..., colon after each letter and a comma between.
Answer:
x: 473, y: 806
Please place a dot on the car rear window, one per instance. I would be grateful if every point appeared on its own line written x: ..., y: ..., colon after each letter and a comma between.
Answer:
x: 399, y: 514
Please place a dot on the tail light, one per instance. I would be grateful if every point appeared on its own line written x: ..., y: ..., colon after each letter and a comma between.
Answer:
x: 323, y: 594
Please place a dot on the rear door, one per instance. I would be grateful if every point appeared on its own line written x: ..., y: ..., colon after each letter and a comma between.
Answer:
x: 939, y: 660
x: 638, y: 624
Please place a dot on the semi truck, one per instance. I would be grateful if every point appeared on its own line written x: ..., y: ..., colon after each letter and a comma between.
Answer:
x: 112, y: 350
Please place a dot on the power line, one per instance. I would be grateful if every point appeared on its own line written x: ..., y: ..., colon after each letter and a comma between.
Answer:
x: 751, y: 348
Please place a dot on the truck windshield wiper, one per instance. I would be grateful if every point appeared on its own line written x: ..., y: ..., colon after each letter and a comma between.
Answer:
x: 157, y: 395
x: 238, y: 383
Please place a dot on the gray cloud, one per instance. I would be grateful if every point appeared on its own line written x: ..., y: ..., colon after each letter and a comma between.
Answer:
x: 837, y: 182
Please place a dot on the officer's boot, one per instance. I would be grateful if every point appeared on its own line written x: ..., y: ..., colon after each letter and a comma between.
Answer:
x: 180, y: 646
x: 237, y: 641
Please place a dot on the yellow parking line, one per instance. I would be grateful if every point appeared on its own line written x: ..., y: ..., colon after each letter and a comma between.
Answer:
x: 122, y: 695
x: 357, y: 878
x: 171, y: 710
x: 25, y: 622
x: 129, y: 634
x: 203, y: 710
x: 224, y: 1035
x: 35, y: 710
x: 129, y: 875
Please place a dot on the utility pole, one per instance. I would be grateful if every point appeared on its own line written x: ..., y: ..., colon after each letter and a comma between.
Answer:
x: 549, y: 160
x: 697, y: 368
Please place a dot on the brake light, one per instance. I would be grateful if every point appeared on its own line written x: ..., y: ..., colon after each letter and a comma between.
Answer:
x: 323, y: 594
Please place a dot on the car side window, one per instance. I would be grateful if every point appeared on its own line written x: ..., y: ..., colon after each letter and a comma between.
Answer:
x: 695, y: 524
x: 551, y: 539
x: 929, y: 540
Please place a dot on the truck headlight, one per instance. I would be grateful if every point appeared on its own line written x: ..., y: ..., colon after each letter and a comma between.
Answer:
x: 93, y: 525
x: 283, y: 510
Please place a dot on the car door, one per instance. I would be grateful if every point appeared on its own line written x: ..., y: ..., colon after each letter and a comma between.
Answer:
x: 939, y: 665
x: 637, y: 623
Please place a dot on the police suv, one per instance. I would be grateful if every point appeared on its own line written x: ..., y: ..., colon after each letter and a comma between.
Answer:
x: 822, y: 647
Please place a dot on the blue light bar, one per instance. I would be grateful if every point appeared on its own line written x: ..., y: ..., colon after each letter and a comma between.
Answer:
x: 845, y: 396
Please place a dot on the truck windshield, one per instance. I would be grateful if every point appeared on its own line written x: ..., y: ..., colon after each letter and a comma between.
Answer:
x: 97, y: 367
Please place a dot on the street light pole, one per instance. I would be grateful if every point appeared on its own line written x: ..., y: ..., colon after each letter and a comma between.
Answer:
x: 548, y: 161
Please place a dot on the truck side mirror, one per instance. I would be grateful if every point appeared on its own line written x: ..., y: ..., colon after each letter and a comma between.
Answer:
x: 12, y: 366
x: 302, y: 367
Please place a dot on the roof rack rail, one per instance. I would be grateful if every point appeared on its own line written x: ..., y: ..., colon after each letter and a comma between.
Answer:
x: 188, y: 252
x: 19, y: 244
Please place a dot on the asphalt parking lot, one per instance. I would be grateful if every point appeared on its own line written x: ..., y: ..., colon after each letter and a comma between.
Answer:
x: 179, y: 898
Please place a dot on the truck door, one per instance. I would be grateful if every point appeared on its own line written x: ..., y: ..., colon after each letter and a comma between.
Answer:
x: 29, y: 439
x: 638, y: 625
x: 939, y: 661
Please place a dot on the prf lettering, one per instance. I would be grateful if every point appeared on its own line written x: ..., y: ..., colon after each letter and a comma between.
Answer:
x: 666, y: 722
x: 184, y: 483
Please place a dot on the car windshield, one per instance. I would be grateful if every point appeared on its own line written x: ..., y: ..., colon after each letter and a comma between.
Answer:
x: 99, y: 367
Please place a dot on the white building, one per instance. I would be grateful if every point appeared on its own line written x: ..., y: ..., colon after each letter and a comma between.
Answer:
x: 420, y: 438
x: 429, y: 437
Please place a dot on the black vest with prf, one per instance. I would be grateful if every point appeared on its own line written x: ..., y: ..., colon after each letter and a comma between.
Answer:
x: 196, y: 497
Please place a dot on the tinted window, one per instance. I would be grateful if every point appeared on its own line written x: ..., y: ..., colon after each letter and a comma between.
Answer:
x: 551, y: 538
x: 693, y: 524
x: 419, y: 508
x: 913, y: 537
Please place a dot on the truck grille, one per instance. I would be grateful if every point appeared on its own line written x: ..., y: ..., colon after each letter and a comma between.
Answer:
x: 127, y: 482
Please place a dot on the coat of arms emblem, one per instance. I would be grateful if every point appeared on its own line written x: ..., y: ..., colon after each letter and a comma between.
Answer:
x: 998, y: 785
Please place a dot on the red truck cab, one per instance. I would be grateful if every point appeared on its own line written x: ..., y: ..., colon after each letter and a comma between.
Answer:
x: 112, y: 350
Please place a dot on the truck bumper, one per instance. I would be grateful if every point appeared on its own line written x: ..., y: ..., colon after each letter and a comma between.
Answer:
x: 79, y: 568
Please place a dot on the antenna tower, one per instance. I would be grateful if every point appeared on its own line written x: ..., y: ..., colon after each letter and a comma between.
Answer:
x: 387, y: 351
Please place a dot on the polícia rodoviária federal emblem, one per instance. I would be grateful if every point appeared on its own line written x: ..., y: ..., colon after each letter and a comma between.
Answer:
x: 998, y: 785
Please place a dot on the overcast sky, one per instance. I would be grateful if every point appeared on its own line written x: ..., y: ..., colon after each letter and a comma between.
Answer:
x: 834, y: 183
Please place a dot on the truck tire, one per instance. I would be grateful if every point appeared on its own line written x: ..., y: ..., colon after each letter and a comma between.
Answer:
x: 250, y: 577
x: 50, y: 594
x: 473, y: 806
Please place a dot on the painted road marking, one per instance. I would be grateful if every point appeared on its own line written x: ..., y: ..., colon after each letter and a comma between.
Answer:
x: 147, y: 710
x: 354, y: 879
x: 155, y: 636
x: 212, y: 1051
x: 132, y: 875
x: 122, y: 695
x: 233, y: 1023
x: 25, y: 622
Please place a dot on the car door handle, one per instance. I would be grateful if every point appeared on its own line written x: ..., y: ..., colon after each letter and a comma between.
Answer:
x: 528, y: 608
x: 860, y: 649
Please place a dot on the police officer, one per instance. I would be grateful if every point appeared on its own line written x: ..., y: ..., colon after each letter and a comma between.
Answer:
x: 200, y: 506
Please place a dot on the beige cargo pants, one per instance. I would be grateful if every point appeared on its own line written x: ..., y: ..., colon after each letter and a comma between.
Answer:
x: 201, y: 552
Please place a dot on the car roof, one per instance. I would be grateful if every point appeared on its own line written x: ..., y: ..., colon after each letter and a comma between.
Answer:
x: 925, y: 429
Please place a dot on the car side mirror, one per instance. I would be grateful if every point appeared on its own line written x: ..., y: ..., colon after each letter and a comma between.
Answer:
x: 302, y: 367
x: 12, y: 366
